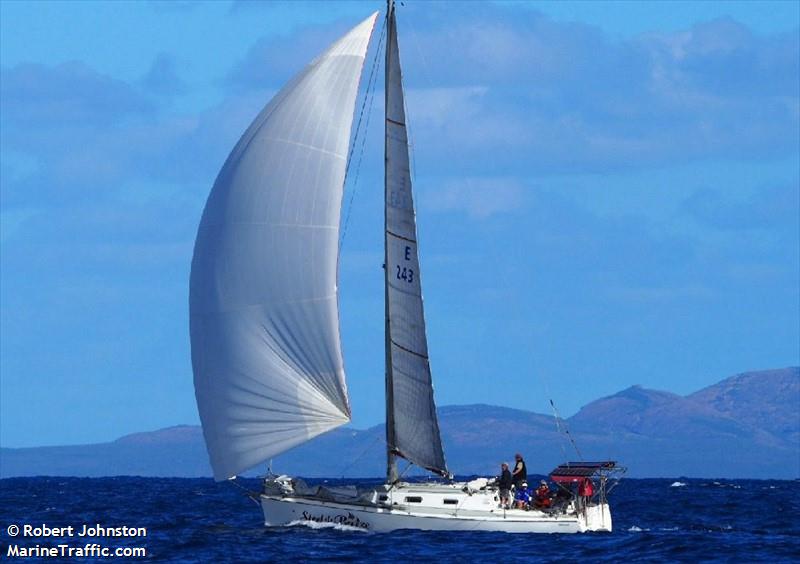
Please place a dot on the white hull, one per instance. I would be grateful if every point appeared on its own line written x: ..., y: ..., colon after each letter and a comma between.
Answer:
x: 472, y: 513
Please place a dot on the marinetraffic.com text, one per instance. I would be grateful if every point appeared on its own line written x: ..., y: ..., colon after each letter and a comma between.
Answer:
x: 71, y: 541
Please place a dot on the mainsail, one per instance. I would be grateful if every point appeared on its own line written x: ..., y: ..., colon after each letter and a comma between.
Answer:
x: 264, y: 323
x: 412, y: 429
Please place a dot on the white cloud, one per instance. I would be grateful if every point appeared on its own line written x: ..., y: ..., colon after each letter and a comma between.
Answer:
x: 479, y: 198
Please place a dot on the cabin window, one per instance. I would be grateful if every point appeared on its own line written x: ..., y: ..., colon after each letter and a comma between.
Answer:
x: 383, y: 497
x: 450, y: 501
x: 413, y: 499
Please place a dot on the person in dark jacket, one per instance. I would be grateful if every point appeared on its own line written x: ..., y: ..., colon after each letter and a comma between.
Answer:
x: 504, y: 483
x: 520, y: 473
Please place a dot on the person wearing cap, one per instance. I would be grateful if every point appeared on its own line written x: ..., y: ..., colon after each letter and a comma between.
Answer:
x: 522, y: 498
x: 504, y: 483
x: 542, y: 495
x: 520, y: 473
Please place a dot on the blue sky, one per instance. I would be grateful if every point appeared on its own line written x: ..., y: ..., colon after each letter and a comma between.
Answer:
x: 607, y: 193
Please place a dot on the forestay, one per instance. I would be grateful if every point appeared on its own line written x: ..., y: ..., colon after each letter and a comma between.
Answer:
x: 412, y: 429
x: 266, y: 353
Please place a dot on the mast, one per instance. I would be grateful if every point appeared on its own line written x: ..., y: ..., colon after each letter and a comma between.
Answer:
x: 412, y: 428
x: 391, y: 459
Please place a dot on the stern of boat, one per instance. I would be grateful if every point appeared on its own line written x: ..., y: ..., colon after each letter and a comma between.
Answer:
x: 596, y: 518
x: 588, y: 484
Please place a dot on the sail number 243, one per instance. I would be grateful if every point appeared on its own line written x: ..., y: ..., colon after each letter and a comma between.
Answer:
x: 404, y: 272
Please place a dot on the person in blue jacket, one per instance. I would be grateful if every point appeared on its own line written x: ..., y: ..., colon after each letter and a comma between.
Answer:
x: 522, y: 498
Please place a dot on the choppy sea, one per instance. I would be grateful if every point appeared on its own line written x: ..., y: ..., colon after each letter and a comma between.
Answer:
x: 197, y: 520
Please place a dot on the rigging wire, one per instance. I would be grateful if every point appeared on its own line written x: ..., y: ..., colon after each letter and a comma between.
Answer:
x: 252, y: 494
x: 370, y: 446
x: 421, y: 53
x: 561, y: 425
x: 401, y: 474
x: 559, y: 431
x: 369, y: 95
x: 410, y: 141
x: 426, y: 74
x: 561, y: 434
x: 406, y: 469
x: 566, y: 430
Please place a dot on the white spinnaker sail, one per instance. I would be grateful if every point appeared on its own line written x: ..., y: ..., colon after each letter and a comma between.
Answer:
x: 264, y: 322
x: 412, y: 428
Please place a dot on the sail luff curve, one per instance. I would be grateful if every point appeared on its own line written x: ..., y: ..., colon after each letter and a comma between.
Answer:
x: 412, y: 427
x: 266, y: 352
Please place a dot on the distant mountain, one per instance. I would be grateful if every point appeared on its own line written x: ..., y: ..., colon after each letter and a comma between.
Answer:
x: 175, y: 451
x: 767, y: 400
x: 745, y: 426
x: 638, y: 412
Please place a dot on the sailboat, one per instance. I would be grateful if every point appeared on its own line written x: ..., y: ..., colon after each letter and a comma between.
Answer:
x: 264, y: 318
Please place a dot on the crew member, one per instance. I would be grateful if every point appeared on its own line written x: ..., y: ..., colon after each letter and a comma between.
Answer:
x: 504, y: 483
x: 586, y: 490
x: 542, y: 495
x: 520, y: 473
x: 523, y: 497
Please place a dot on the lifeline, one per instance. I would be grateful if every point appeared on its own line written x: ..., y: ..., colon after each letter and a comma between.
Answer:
x: 99, y: 531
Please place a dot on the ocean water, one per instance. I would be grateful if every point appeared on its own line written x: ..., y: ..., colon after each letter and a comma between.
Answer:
x: 197, y: 520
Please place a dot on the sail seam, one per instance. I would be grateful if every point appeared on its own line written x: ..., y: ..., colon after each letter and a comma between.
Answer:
x: 403, y: 291
x: 222, y: 310
x: 272, y: 224
x: 307, y: 406
x: 306, y: 146
x: 401, y: 237
x: 400, y: 123
x: 309, y: 376
x: 268, y: 223
x: 409, y: 351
